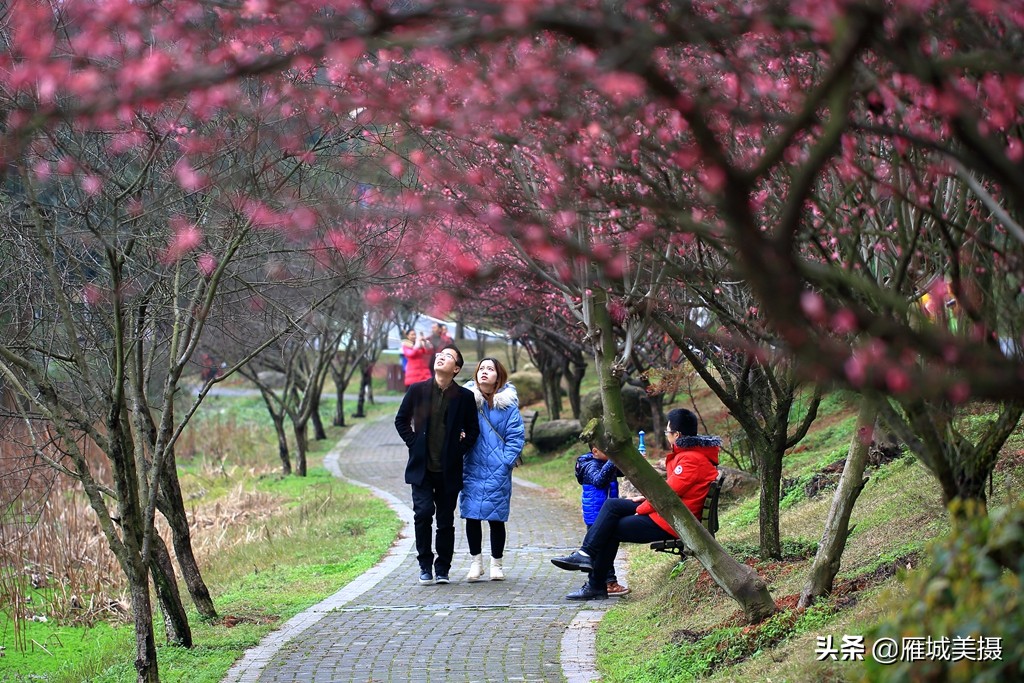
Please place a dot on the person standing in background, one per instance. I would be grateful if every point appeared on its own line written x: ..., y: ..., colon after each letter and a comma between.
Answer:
x: 442, y: 331
x: 435, y: 336
x: 417, y: 357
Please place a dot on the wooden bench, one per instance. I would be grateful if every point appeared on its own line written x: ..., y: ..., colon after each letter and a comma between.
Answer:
x: 708, y: 517
x: 529, y: 420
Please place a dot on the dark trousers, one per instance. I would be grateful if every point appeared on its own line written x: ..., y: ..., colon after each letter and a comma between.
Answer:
x: 430, y: 501
x: 475, y: 537
x: 617, y: 522
x: 612, y: 578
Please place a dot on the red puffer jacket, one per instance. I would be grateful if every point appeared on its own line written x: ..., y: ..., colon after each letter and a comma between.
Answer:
x: 418, y: 365
x: 691, y: 466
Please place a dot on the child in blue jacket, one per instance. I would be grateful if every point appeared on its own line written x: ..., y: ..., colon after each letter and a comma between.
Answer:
x: 598, y: 476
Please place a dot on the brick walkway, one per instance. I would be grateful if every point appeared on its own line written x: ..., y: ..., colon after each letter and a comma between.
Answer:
x: 385, y: 627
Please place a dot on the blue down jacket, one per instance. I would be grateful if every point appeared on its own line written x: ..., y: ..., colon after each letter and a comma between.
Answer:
x: 487, y: 471
x: 598, y: 480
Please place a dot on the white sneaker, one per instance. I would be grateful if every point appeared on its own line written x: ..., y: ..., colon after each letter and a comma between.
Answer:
x: 496, y: 573
x: 476, y: 569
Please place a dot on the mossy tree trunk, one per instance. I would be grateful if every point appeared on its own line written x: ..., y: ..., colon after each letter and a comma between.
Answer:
x: 837, y: 526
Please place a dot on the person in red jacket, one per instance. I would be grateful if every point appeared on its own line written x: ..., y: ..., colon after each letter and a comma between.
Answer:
x: 418, y: 355
x: 691, y: 467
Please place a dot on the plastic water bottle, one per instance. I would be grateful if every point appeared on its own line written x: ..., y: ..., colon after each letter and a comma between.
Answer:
x: 642, y: 447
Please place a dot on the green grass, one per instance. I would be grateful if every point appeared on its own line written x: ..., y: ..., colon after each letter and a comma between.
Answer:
x: 60, y: 652
x: 553, y: 471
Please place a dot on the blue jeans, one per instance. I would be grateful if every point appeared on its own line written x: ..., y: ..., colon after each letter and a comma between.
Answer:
x: 617, y: 522
x: 430, y: 501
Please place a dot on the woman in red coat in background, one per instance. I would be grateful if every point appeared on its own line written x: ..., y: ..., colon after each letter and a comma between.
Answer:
x: 418, y: 355
x: 691, y: 468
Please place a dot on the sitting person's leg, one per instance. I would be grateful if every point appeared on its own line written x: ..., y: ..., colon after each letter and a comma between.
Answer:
x: 628, y: 529
x: 606, y: 524
x: 603, y: 528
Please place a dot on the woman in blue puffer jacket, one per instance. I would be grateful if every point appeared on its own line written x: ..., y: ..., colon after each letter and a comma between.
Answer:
x: 487, y: 472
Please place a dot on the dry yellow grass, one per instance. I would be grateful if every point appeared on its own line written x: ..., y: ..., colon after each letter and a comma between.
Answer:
x: 50, y: 539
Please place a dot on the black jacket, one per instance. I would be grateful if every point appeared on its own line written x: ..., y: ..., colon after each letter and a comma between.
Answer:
x: 413, y: 421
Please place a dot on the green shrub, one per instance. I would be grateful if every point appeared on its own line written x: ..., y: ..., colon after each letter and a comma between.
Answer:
x: 971, y: 589
x: 794, y: 492
x: 792, y: 549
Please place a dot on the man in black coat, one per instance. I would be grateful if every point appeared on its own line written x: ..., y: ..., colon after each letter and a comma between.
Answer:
x: 437, y: 421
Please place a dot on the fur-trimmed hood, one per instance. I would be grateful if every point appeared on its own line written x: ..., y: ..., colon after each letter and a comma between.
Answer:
x: 700, y: 440
x: 505, y: 397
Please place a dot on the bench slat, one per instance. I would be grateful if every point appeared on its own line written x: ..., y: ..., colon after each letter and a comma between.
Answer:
x: 709, y: 518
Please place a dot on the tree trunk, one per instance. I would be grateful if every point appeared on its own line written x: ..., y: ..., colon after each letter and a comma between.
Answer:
x: 656, y: 401
x: 301, y: 446
x: 360, y: 404
x: 513, y: 356
x: 142, y: 612
x: 553, y: 394
x: 339, y: 406
x: 974, y: 467
x: 126, y: 481
x: 368, y: 384
x: 549, y: 364
x: 175, y: 619
x: 277, y: 418
x: 365, y: 383
x: 837, y: 530
x: 318, y: 426
x: 172, y: 506
x: 282, y: 444
x: 768, y: 517
x: 962, y: 467
x: 740, y: 582
x: 575, y: 371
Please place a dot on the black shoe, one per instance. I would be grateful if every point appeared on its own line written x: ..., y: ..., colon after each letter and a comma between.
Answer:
x: 574, y: 562
x: 588, y: 592
x: 426, y: 578
x: 442, y: 578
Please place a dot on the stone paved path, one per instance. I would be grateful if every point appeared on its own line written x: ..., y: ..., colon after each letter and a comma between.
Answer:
x: 385, y: 627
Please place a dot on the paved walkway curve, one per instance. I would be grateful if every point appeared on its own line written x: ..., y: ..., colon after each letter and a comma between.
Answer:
x: 384, y: 627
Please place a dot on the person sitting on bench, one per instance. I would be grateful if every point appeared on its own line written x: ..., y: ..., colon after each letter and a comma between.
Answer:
x: 691, y: 467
